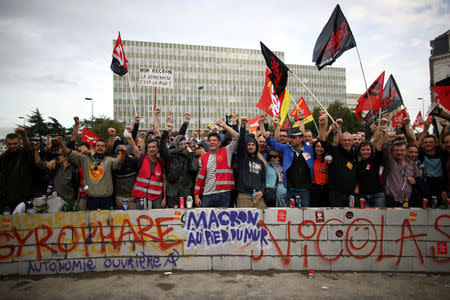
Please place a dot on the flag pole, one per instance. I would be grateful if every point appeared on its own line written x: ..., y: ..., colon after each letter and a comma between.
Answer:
x: 299, y: 80
x: 315, y: 125
x: 364, y: 77
x: 132, y: 94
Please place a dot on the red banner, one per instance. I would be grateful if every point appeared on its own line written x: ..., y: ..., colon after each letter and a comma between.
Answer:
x: 89, y: 137
x: 397, y: 119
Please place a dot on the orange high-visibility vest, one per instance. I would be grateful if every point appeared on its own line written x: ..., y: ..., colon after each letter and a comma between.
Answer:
x: 152, y: 186
x: 224, y: 173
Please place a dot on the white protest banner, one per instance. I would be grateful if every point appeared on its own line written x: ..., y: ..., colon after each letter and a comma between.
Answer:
x: 155, y: 77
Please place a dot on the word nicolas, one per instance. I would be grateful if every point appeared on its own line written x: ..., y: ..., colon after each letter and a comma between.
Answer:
x: 212, y: 228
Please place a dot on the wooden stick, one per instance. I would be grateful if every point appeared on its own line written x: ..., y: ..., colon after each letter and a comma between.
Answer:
x: 299, y: 80
x: 132, y: 94
x: 365, y: 82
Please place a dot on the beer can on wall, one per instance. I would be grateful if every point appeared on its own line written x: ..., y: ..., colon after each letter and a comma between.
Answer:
x: 434, y: 202
x: 292, y: 203
x: 351, y: 201
x: 424, y: 203
x: 181, y: 202
x: 362, y: 203
x: 448, y: 203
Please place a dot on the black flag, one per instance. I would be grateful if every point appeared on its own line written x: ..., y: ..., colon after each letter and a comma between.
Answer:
x: 335, y: 38
x: 392, y: 99
x: 279, y: 75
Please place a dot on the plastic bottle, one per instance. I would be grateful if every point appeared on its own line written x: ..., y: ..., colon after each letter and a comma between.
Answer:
x: 125, y: 204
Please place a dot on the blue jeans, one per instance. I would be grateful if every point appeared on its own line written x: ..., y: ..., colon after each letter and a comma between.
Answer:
x: 104, y: 203
x: 282, y: 200
x: 304, y: 196
x: 217, y: 200
x: 375, y: 200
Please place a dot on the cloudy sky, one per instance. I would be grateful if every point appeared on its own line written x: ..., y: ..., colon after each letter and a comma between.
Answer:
x: 56, y: 53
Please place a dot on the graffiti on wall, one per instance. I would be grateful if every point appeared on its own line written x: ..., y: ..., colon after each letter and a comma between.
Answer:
x: 208, y: 228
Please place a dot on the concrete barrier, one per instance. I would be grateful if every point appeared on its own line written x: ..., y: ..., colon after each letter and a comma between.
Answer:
x: 332, y: 239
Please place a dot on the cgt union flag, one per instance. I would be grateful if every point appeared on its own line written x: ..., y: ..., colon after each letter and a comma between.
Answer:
x: 89, y: 137
x: 119, y: 61
x: 335, y: 38
x: 419, y: 120
x: 307, y: 116
x: 271, y: 103
x: 397, y: 119
x: 279, y: 75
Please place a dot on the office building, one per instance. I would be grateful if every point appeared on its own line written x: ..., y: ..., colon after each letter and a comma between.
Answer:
x: 213, y: 80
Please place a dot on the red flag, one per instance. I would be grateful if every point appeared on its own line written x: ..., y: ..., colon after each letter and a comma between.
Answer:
x: 397, y: 119
x: 307, y: 116
x: 89, y: 137
x: 271, y: 103
x: 253, y: 125
x: 376, y: 96
x: 443, y: 95
x: 119, y: 61
x: 419, y: 120
x: 429, y: 119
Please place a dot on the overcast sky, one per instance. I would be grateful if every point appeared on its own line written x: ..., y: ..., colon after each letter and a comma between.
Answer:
x: 56, y: 53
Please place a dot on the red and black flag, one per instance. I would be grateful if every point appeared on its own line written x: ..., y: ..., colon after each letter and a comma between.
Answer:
x: 279, y: 75
x: 119, y: 61
x: 335, y: 38
x: 442, y: 91
x: 376, y: 95
x: 392, y: 99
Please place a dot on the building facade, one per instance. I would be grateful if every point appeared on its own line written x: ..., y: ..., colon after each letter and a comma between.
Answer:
x: 211, y: 82
x: 439, y: 60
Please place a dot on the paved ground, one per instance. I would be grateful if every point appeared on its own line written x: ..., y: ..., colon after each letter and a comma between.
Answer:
x: 227, y: 285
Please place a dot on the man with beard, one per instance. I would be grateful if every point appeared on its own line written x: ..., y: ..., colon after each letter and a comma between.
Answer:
x: 251, y: 170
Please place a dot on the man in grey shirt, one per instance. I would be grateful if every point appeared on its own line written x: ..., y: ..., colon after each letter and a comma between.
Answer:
x: 399, y: 174
x: 215, y: 181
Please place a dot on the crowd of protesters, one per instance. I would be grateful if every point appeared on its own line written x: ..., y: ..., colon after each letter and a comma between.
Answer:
x: 229, y: 167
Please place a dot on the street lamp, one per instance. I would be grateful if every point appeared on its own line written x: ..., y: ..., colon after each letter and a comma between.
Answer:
x: 198, y: 102
x: 92, y: 107
x: 423, y: 106
x: 23, y: 121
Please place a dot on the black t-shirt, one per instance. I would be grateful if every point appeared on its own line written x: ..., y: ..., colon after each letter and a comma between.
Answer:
x: 298, y: 175
x: 342, y: 171
x: 368, y: 174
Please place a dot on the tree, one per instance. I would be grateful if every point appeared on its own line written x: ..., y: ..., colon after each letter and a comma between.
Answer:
x: 340, y: 110
x: 37, y: 130
x: 55, y: 128
x: 102, y: 124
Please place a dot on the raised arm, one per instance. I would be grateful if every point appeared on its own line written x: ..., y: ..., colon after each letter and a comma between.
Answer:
x: 227, y: 128
x: 185, y: 125
x: 25, y: 140
x: 276, y: 127
x: 426, y: 126
x: 323, y: 124
x: 409, y: 133
x: 76, y: 127
x: 156, y: 121
x: 133, y: 146
x: 134, y: 132
x: 110, y: 143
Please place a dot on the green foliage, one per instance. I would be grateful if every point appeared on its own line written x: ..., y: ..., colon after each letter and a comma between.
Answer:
x: 37, y: 128
x: 101, y: 125
x: 340, y: 110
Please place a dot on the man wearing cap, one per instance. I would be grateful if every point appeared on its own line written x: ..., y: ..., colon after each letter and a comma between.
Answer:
x: 298, y: 167
x: 215, y: 179
x: 251, y: 171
